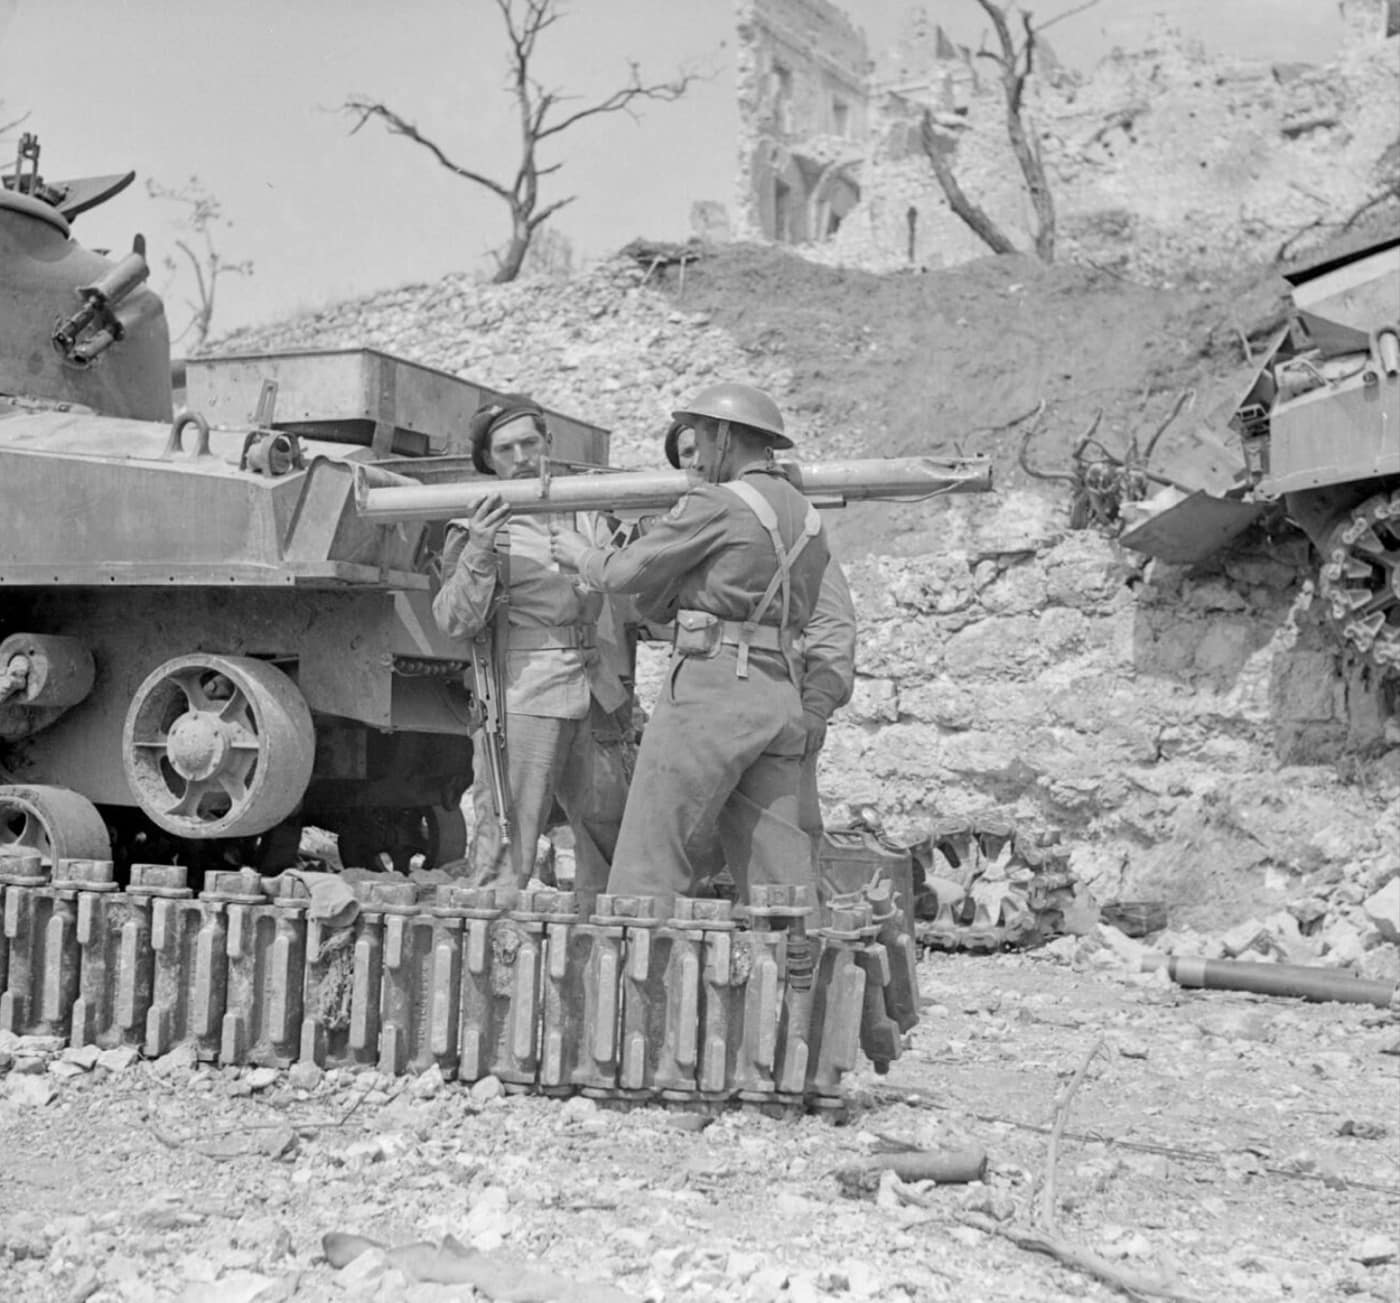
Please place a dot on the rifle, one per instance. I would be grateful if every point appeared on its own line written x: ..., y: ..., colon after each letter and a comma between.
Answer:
x: 443, y: 489
x: 489, y: 649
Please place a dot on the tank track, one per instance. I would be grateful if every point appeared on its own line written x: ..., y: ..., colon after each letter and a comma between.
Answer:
x: 710, y: 1008
x: 985, y: 886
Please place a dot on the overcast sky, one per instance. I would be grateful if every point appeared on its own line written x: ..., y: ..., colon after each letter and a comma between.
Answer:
x: 244, y: 93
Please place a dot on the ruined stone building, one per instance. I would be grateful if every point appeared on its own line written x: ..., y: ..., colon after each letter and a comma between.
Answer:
x: 1159, y: 158
x: 803, y: 103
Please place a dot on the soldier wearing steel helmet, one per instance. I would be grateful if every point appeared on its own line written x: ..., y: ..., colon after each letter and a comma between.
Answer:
x: 738, y: 564
x: 828, y: 668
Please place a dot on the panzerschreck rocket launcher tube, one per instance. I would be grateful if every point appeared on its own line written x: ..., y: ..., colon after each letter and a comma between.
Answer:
x: 384, y: 496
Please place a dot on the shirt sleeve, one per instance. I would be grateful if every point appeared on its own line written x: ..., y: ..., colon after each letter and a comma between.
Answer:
x: 463, y: 603
x: 650, y: 567
x: 829, y: 651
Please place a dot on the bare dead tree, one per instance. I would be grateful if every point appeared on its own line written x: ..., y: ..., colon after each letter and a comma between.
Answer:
x: 1015, y: 63
x: 542, y: 119
x: 975, y: 217
x: 204, y: 216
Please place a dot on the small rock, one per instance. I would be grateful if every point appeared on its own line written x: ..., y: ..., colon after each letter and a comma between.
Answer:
x: 1363, y: 1129
x: 766, y: 1285
x: 1250, y: 935
x: 28, y: 1091
x: 30, y: 1065
x: 62, y: 1070
x: 740, y: 1266
x: 429, y: 1083
x: 261, y: 1078
x: 235, y: 1287
x: 1342, y: 943
x: 1374, y: 1250
x: 1383, y: 909
x: 487, y: 1088
x: 1131, y: 1048
x: 85, y: 1056
x: 861, y: 1279
x: 7, y: 1060
x: 183, y: 1058
x: 666, y: 1262
x: 578, y: 1106
x: 304, y: 1075
x: 118, y: 1059
x: 48, y: 1045
x: 688, y: 1121
x: 360, y: 1270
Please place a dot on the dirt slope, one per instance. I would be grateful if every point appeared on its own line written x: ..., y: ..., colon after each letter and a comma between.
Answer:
x: 941, y: 362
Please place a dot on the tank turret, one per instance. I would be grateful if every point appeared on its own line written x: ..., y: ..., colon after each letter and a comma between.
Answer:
x: 64, y: 307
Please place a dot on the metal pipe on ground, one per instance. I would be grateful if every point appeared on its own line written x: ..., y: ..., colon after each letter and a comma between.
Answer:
x: 1300, y: 980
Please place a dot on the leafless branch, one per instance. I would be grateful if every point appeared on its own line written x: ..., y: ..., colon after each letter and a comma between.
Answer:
x: 542, y: 118
x: 397, y: 126
x: 1186, y: 395
x: 1067, y: 13
x: 620, y: 101
x: 1015, y: 64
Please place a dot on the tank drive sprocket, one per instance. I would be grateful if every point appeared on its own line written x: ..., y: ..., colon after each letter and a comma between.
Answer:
x: 1359, y: 579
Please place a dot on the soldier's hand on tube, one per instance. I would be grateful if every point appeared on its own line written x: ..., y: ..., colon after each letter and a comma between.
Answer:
x: 485, y: 522
x: 815, y: 726
x: 567, y: 546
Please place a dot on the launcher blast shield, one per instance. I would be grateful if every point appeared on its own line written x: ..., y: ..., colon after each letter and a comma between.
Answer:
x: 387, y: 497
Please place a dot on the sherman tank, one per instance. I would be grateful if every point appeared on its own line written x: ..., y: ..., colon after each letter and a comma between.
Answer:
x: 203, y: 647
x: 1319, y: 430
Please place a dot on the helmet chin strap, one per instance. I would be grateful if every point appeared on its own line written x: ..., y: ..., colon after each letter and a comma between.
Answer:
x: 721, y: 451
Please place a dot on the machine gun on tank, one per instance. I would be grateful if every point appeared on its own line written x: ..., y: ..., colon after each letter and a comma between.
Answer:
x: 432, y: 492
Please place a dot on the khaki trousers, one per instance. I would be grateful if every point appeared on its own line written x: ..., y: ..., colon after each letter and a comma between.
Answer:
x: 582, y: 764
x: 719, y: 752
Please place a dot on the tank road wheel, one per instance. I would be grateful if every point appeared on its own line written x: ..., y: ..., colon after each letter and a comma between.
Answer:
x: 1360, y: 579
x: 218, y: 746
x: 58, y: 823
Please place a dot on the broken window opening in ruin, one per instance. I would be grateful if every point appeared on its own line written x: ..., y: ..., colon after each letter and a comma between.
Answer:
x: 840, y: 118
x: 782, y: 211
x: 782, y: 96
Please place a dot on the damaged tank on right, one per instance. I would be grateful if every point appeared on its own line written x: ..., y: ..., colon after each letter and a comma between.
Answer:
x: 1319, y: 429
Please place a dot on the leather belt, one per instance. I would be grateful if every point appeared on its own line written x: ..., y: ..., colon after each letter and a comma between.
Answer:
x: 552, y: 637
x: 763, y: 637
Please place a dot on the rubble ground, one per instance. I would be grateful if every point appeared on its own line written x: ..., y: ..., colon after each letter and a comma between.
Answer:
x: 1229, y: 1145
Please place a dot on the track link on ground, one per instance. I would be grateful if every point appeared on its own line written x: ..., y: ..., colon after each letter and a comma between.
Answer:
x: 708, y: 1007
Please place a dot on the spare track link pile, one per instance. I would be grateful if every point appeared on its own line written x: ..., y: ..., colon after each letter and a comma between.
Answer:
x: 986, y: 886
x: 698, y: 1010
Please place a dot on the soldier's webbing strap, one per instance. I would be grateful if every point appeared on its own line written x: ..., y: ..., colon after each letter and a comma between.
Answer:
x: 781, y: 581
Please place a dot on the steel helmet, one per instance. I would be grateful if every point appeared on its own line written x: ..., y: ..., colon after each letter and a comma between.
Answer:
x: 742, y: 404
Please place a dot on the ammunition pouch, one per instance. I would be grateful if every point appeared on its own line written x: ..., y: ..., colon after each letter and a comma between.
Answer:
x: 698, y: 633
